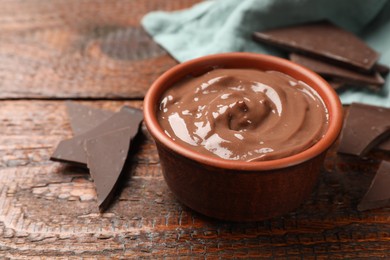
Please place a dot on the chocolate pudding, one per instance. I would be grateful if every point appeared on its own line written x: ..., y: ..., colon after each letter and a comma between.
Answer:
x: 243, y: 114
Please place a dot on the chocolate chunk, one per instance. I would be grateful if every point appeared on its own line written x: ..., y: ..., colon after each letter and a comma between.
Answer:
x: 322, y: 40
x: 72, y: 150
x: 84, y: 118
x: 350, y: 77
x: 106, y: 156
x: 378, y: 194
x: 364, y: 128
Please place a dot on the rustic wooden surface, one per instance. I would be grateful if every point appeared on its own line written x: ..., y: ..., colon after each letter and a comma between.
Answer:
x: 58, y: 49
x: 79, y: 49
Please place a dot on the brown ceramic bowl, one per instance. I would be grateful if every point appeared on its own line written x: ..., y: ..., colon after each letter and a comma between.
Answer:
x: 239, y: 190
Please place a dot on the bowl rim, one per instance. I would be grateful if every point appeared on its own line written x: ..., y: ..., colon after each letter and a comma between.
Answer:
x: 327, y: 93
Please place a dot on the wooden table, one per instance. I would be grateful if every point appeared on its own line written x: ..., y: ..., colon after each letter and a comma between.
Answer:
x: 95, y: 52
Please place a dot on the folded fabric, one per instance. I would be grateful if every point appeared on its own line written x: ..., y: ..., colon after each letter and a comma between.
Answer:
x: 227, y: 25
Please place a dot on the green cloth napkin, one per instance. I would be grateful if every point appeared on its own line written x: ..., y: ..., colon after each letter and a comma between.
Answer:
x: 227, y: 25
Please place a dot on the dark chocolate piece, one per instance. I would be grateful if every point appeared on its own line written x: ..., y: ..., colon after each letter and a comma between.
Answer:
x: 106, y: 156
x: 72, y: 150
x: 322, y: 40
x: 350, y: 77
x: 378, y: 194
x: 364, y: 128
x: 84, y: 118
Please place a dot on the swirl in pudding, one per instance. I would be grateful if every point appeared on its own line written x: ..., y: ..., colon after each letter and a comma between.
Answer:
x: 243, y: 114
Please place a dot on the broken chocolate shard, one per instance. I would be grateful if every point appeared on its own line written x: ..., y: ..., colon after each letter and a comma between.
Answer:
x: 72, y: 150
x: 84, y: 118
x: 322, y: 40
x: 373, y: 81
x: 378, y: 194
x: 364, y: 128
x: 106, y: 156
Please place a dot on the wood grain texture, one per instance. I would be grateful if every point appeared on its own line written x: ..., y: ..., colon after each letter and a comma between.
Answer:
x: 50, y: 210
x: 79, y: 49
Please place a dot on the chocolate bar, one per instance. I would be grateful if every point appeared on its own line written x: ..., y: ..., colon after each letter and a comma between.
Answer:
x: 350, y: 77
x: 378, y: 194
x: 83, y: 118
x: 365, y: 127
x: 322, y: 40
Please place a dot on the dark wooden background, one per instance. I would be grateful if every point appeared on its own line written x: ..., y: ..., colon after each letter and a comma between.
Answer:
x: 95, y: 51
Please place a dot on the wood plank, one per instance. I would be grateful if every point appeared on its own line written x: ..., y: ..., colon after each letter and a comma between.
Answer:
x: 79, y: 49
x: 49, y: 210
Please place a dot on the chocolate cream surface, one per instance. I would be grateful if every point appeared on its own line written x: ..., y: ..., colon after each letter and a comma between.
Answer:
x: 243, y: 114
